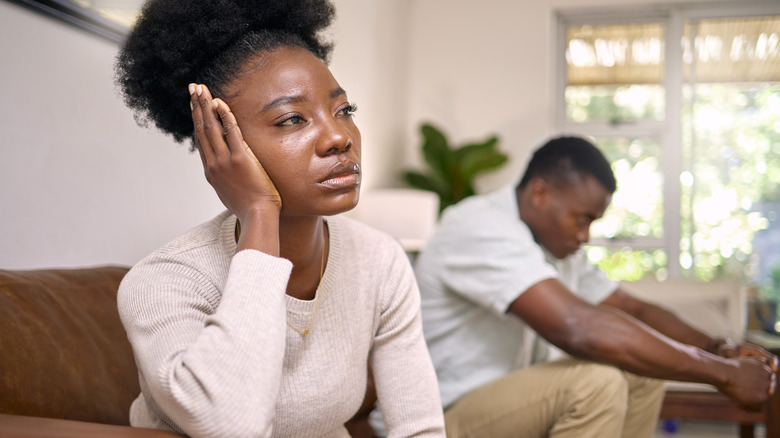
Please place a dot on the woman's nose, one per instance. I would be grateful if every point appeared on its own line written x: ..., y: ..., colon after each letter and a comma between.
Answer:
x: 340, y: 147
x: 337, y: 138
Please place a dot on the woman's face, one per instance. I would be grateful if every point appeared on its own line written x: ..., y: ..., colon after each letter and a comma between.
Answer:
x: 298, y: 122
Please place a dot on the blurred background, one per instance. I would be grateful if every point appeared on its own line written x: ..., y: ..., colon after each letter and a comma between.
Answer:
x: 684, y: 98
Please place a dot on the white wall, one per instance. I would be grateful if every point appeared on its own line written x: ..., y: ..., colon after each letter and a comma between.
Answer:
x: 371, y: 62
x: 81, y: 184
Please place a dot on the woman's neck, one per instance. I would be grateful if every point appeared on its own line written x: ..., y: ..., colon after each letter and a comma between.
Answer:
x: 304, y: 241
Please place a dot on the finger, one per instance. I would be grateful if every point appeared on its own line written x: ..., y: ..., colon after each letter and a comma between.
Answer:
x: 745, y: 351
x: 732, y: 352
x: 233, y: 135
x: 199, y: 135
x: 230, y: 129
x: 212, y: 126
x: 770, y: 358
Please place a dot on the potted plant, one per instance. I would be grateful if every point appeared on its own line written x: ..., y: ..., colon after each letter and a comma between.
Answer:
x: 451, y: 170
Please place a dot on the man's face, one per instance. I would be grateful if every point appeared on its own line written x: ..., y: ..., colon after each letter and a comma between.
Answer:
x: 566, y: 212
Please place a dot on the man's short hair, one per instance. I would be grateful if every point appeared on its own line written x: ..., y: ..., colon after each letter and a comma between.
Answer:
x: 563, y: 160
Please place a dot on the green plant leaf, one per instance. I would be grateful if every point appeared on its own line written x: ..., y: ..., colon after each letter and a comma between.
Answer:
x: 478, y: 148
x: 481, y: 163
x: 451, y: 171
x: 425, y: 182
x: 436, y: 150
x: 479, y: 157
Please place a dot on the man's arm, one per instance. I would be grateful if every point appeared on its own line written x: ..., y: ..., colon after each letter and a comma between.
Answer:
x: 670, y: 325
x: 605, y: 334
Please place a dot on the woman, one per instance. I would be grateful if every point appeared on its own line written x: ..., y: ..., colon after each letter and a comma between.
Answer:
x: 262, y: 321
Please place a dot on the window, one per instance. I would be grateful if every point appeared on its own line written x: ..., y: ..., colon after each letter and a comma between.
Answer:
x: 685, y: 103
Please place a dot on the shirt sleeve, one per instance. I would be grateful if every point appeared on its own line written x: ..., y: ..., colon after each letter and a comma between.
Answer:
x: 489, y: 258
x: 405, y: 380
x: 198, y: 349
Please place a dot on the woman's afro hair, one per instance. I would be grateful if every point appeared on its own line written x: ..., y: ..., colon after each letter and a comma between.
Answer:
x: 178, y: 42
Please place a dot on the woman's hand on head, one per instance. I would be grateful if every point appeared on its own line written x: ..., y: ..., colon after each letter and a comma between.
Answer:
x: 229, y: 164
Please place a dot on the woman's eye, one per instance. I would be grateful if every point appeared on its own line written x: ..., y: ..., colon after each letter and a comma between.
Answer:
x: 291, y: 120
x: 348, y: 110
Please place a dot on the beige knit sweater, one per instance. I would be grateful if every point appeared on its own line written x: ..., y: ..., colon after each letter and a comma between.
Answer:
x: 217, y: 358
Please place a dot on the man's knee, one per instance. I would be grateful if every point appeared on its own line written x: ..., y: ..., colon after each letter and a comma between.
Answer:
x: 597, y: 402
x: 603, y: 385
x: 646, y: 391
x: 647, y: 384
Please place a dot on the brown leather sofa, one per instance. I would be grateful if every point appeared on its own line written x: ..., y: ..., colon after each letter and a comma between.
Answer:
x: 66, y: 366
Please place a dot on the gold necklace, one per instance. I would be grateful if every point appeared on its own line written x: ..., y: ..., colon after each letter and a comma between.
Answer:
x: 305, y: 331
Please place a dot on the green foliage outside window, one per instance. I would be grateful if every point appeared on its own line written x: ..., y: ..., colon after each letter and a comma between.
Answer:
x: 735, y: 156
x: 629, y: 264
x: 614, y: 103
x: 636, y: 209
x: 733, y: 168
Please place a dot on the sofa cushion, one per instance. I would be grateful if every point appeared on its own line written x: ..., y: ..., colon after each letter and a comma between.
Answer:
x: 64, y: 352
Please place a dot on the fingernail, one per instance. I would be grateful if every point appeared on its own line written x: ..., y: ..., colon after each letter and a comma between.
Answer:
x: 191, y: 87
x: 215, y: 103
x: 200, y: 89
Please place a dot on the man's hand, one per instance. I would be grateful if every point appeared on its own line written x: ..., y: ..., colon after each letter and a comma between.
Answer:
x: 752, y: 382
x: 729, y: 349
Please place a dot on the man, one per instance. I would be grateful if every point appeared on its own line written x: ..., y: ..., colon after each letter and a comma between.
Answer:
x: 506, y: 266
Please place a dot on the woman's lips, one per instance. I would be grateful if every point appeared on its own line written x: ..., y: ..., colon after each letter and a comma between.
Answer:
x: 342, y: 175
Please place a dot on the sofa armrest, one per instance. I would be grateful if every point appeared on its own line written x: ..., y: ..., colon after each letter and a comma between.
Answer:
x: 21, y: 426
x: 718, y: 308
x: 65, y: 353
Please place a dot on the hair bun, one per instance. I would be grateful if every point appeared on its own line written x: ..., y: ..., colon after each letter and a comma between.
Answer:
x: 173, y: 40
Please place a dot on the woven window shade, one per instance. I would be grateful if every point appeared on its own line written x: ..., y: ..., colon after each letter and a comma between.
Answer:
x: 726, y: 50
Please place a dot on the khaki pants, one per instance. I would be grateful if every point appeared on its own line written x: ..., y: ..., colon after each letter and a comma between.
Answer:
x: 566, y: 398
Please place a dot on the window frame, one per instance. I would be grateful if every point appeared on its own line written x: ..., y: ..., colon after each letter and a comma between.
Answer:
x: 669, y: 132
